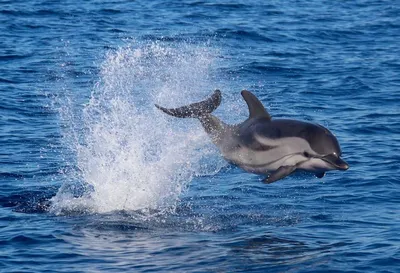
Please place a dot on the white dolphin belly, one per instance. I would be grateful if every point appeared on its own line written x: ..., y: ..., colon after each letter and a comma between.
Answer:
x: 283, y: 152
x: 264, y: 161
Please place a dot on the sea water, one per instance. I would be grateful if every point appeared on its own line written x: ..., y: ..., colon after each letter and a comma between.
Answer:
x: 94, y: 178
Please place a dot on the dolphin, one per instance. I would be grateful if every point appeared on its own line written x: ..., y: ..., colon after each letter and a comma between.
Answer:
x: 266, y: 146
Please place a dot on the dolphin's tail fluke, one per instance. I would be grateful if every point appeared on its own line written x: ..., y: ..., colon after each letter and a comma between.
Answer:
x: 195, y: 110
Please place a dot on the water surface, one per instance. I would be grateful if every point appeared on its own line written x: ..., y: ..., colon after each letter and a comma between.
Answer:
x: 95, y: 179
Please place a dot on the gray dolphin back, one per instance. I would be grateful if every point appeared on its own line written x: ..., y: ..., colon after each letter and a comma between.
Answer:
x: 195, y: 110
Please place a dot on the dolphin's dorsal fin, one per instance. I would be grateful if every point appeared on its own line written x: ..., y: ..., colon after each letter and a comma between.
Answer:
x: 256, y: 109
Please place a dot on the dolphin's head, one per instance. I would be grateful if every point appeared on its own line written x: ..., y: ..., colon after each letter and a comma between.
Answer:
x: 325, y: 152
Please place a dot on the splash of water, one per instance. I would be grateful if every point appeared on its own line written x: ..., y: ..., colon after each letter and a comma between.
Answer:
x: 129, y: 155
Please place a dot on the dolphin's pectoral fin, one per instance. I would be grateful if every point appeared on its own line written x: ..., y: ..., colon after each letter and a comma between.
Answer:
x: 280, y: 173
x: 320, y: 175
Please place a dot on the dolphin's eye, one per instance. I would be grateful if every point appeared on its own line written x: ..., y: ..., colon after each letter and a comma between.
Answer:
x: 306, y: 154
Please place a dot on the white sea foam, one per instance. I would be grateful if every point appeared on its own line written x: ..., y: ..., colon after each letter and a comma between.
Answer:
x: 129, y: 154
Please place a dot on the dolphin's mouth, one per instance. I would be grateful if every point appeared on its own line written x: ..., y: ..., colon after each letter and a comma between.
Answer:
x: 336, y: 161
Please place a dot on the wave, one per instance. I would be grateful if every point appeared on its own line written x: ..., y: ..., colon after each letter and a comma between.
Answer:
x: 130, y: 156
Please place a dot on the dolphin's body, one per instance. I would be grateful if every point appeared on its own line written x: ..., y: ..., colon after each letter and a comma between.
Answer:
x: 262, y: 145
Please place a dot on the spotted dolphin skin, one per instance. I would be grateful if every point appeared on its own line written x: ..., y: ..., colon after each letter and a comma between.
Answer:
x: 262, y: 145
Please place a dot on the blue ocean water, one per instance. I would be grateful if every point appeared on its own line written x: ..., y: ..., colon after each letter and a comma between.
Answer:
x: 95, y: 179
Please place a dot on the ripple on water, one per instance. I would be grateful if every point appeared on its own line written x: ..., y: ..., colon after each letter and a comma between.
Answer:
x: 93, y: 177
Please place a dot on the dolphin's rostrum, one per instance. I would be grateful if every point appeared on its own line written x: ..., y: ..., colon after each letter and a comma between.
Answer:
x: 262, y: 145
